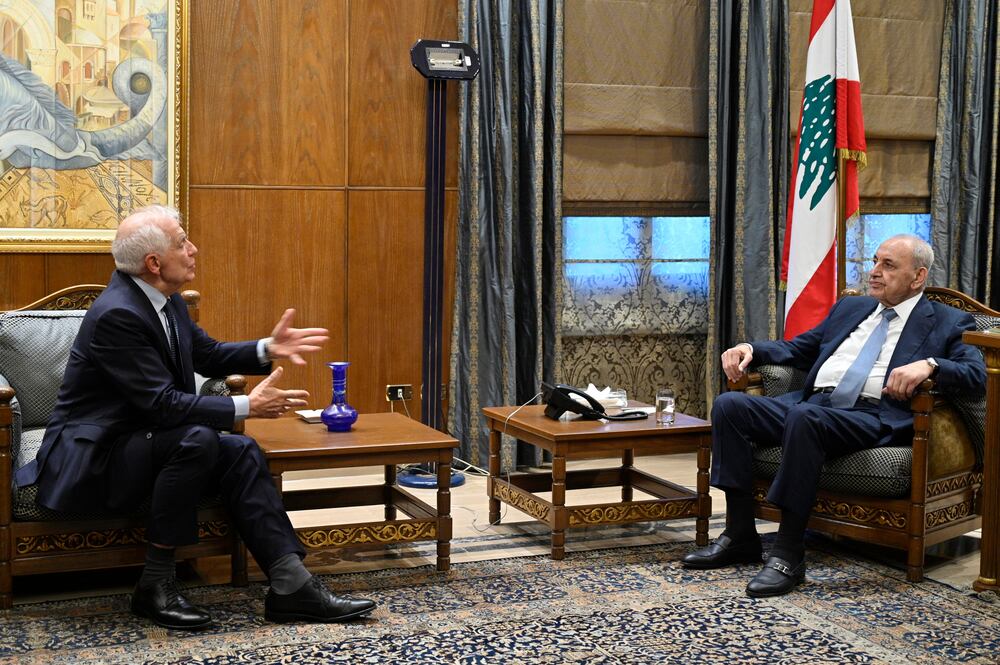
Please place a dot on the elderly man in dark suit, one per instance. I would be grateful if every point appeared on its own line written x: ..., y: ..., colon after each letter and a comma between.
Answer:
x: 864, y: 361
x: 128, y: 426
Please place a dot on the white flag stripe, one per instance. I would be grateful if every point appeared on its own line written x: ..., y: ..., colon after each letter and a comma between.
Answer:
x: 810, y: 243
x: 847, y: 52
x: 821, y: 58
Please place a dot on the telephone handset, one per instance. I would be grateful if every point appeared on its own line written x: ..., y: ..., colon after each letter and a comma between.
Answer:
x: 558, y: 400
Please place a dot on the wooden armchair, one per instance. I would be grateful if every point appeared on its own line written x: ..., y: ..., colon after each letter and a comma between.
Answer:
x: 34, y: 347
x: 908, y: 497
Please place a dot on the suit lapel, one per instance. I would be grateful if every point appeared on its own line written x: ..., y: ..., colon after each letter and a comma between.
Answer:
x: 844, y: 326
x: 911, y: 339
x: 154, y: 321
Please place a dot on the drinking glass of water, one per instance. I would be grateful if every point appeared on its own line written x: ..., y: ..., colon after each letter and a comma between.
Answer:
x: 665, y: 406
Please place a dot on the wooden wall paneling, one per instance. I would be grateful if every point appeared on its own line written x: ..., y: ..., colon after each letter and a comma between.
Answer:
x: 22, y: 279
x: 267, y: 92
x: 385, y: 294
x: 388, y: 97
x: 62, y: 270
x: 261, y: 251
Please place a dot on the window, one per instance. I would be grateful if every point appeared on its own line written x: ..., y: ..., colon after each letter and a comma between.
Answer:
x: 89, y: 10
x: 635, y: 275
x: 867, y: 232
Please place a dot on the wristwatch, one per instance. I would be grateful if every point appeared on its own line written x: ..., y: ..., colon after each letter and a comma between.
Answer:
x: 934, y: 366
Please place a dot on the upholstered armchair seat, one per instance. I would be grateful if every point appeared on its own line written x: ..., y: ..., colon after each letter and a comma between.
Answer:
x: 908, y: 497
x: 35, y: 344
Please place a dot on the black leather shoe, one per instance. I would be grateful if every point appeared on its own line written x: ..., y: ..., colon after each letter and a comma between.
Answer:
x: 776, y: 578
x: 724, y: 552
x: 314, y: 602
x: 166, y: 606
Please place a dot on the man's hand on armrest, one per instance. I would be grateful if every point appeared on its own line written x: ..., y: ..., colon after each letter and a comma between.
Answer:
x: 269, y: 401
x: 735, y: 360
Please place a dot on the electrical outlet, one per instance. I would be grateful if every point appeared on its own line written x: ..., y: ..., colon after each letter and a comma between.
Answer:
x: 398, y: 391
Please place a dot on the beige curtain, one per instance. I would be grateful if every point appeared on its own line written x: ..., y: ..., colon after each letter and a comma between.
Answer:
x: 635, y: 142
x: 636, y: 101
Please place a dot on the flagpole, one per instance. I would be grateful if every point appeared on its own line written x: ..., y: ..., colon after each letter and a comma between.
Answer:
x: 841, y: 224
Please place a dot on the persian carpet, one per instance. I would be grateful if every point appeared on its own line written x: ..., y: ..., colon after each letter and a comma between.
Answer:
x: 631, y: 605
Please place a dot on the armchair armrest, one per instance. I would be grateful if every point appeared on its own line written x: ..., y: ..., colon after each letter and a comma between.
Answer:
x: 232, y: 385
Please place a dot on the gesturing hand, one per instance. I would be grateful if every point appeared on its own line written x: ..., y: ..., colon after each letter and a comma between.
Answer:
x: 269, y: 401
x: 288, y: 342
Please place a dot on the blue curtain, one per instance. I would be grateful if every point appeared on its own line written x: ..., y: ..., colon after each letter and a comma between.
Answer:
x: 748, y: 172
x: 505, y: 337
x: 964, y: 180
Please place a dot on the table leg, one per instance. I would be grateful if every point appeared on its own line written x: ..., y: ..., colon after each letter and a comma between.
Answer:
x: 494, y: 474
x: 628, y: 462
x: 989, y: 550
x: 560, y: 517
x: 444, y: 513
x: 704, y: 499
x: 390, y: 480
x: 238, y: 561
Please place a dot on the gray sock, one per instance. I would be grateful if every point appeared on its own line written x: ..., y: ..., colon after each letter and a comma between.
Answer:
x: 287, y: 574
x: 159, y: 565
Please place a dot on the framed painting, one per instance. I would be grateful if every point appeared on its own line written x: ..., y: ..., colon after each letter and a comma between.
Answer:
x: 92, y: 116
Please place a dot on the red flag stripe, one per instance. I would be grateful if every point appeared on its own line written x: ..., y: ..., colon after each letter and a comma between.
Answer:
x: 816, y: 300
x: 821, y: 9
x: 850, y: 121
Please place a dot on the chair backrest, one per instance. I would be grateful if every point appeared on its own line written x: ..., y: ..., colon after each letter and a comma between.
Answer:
x: 972, y: 409
x: 35, y: 342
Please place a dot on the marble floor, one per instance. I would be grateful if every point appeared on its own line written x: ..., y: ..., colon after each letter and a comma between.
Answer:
x: 955, y: 562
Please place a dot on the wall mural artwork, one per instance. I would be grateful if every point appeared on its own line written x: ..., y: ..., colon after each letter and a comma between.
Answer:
x: 90, y: 118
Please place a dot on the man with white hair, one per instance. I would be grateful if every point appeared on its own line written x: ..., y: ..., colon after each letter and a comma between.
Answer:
x: 864, y: 362
x: 128, y: 426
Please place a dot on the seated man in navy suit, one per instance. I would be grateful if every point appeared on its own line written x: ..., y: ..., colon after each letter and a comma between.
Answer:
x: 864, y: 361
x: 128, y: 426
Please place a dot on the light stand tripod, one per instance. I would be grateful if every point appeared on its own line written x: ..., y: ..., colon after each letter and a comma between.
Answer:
x: 438, y: 62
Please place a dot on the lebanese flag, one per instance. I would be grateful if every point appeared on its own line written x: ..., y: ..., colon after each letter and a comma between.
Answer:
x: 830, y: 125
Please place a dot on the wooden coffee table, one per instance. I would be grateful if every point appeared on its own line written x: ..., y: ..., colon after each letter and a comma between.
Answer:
x: 589, y: 438
x: 385, y: 439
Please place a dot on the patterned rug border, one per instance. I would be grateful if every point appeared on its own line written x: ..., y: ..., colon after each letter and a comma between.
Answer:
x: 418, y: 631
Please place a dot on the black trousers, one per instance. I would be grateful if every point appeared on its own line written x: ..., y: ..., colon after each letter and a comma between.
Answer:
x: 809, y: 433
x: 177, y: 468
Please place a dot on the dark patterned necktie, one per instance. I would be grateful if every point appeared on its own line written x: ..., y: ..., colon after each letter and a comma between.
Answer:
x: 171, y: 334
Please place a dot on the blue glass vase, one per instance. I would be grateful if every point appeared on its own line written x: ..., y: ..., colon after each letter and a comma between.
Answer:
x: 339, y: 416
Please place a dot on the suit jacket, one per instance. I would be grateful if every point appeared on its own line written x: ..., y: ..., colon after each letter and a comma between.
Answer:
x: 932, y: 330
x: 121, y: 379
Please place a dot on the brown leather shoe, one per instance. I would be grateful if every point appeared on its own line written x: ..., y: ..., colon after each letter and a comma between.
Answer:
x: 724, y: 552
x: 314, y: 603
x: 166, y: 606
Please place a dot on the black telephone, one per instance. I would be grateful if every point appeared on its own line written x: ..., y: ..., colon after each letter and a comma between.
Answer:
x: 558, y: 401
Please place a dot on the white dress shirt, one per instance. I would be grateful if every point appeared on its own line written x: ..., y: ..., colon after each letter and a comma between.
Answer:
x: 241, y: 403
x: 832, y: 371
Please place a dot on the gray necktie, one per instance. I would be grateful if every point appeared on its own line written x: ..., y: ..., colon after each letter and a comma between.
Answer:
x: 849, y: 389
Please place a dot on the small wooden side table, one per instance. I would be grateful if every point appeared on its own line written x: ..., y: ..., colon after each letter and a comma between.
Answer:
x: 989, y: 549
x: 589, y: 438
x: 385, y: 439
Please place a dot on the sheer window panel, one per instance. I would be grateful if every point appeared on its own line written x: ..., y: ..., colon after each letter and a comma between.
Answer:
x: 635, y: 275
x: 868, y: 231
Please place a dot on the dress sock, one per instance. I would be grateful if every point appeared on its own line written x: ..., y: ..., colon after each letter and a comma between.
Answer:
x: 288, y: 574
x: 790, y: 544
x: 740, y: 524
x: 160, y: 565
